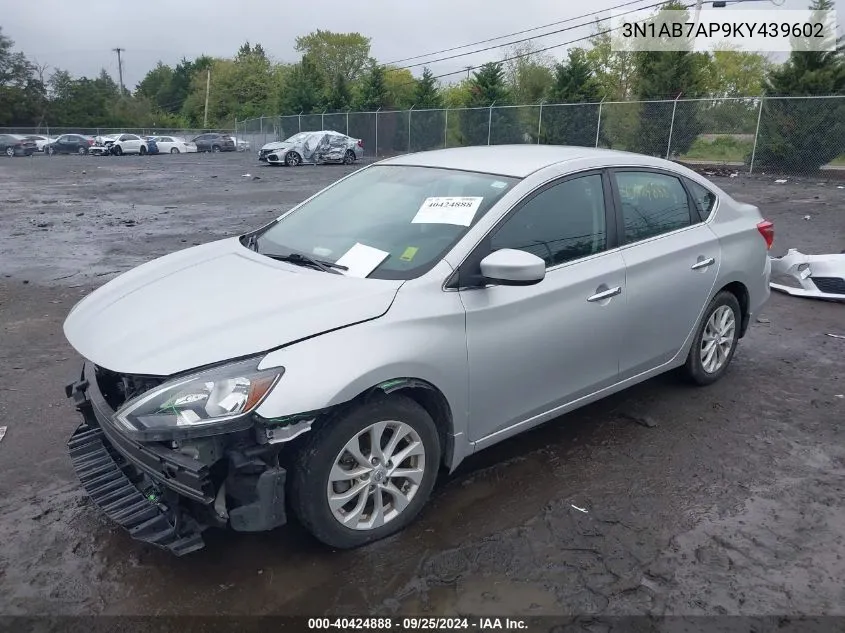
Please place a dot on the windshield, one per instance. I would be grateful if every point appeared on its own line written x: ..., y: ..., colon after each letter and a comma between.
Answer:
x: 387, y: 222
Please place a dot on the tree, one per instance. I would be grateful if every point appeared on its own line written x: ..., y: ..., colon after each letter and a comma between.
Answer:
x: 574, y: 82
x: 156, y: 84
x: 486, y: 88
x: 528, y: 73
x: 344, y: 54
x: 22, y: 93
x: 613, y: 64
x: 339, y: 97
x: 303, y: 90
x: 800, y: 135
x: 668, y: 74
x: 400, y: 87
x: 373, y: 92
x: 426, y: 92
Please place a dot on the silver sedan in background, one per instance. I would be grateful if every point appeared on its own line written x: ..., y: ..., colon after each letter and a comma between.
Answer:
x: 320, y: 147
x: 415, y: 312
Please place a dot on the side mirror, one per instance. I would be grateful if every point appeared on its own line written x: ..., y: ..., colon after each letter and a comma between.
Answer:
x: 510, y: 267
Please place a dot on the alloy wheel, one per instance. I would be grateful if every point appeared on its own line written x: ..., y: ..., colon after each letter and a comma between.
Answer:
x: 376, y: 475
x: 717, y: 339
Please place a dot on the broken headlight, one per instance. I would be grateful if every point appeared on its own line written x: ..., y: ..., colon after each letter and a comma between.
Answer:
x: 207, y: 403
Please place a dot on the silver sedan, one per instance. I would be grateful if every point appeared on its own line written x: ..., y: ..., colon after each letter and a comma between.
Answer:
x: 419, y: 310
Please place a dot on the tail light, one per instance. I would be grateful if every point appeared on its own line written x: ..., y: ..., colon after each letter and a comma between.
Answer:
x: 90, y: 141
x: 360, y: 143
x: 767, y: 230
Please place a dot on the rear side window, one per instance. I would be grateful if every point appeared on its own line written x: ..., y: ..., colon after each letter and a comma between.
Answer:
x: 703, y: 198
x: 652, y: 204
x: 561, y: 223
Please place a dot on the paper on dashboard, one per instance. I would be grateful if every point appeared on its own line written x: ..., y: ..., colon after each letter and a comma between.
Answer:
x: 361, y: 260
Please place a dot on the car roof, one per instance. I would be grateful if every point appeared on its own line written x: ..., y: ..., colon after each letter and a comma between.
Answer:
x: 517, y: 161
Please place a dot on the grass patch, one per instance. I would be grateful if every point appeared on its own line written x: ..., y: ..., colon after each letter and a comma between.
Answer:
x: 721, y: 149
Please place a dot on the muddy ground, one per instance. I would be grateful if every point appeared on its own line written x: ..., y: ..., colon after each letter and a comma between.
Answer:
x: 734, y: 503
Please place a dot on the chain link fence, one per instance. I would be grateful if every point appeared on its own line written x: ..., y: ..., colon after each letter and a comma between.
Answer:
x: 776, y: 134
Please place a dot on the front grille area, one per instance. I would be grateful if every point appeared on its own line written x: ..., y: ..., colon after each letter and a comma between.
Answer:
x: 118, y: 388
x: 830, y: 285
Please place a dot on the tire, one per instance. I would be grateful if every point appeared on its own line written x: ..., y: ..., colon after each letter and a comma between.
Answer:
x: 82, y: 151
x: 349, y: 157
x: 695, y: 368
x: 143, y: 151
x: 174, y: 150
x: 215, y: 149
x: 292, y: 159
x: 117, y: 150
x: 316, y: 459
x: 51, y: 151
x: 10, y: 152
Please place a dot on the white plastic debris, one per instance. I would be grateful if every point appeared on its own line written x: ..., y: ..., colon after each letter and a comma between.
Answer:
x: 781, y: 181
x: 842, y: 336
x: 734, y: 175
x: 839, y: 395
x: 584, y: 510
x: 246, y: 176
x: 2, y: 432
x: 806, y: 217
x: 840, y: 187
x: 816, y: 276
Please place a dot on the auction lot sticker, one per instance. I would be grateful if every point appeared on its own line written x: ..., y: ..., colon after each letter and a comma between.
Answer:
x: 454, y: 210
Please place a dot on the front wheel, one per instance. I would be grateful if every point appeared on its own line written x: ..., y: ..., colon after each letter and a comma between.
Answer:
x: 174, y: 150
x: 143, y: 151
x: 51, y: 151
x: 715, y: 340
x: 117, y: 150
x: 292, y: 159
x: 82, y: 151
x: 366, y: 473
x: 215, y: 149
x: 10, y: 151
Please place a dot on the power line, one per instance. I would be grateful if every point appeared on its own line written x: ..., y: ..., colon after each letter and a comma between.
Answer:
x: 527, y: 39
x: 501, y: 37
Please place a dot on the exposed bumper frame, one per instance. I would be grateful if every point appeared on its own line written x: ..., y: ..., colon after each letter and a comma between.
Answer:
x: 817, y: 276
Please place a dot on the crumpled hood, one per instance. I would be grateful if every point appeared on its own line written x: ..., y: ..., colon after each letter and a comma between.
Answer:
x: 276, y: 145
x: 212, y: 303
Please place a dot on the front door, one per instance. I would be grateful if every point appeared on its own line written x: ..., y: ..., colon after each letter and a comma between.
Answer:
x: 534, y: 348
x: 672, y: 261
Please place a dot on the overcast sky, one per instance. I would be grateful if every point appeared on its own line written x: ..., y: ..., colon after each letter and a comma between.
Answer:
x: 78, y: 35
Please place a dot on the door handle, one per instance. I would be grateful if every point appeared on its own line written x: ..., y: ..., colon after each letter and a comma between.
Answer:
x: 704, y: 263
x: 605, y: 294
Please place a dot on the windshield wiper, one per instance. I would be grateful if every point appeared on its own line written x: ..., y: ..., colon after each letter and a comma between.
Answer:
x: 304, y: 260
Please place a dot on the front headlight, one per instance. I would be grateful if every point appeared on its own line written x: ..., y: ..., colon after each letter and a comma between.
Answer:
x: 207, y: 403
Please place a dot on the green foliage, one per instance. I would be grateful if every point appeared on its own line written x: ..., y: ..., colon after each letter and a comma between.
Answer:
x: 373, y: 93
x: 615, y: 70
x: 488, y: 87
x: 668, y: 75
x: 528, y: 73
x: 339, y: 97
x: 722, y: 148
x: 574, y: 82
x: 428, y: 121
x: 796, y: 134
x: 400, y: 87
x: 426, y: 93
x: 23, y: 96
x: 302, y: 91
x: 344, y: 54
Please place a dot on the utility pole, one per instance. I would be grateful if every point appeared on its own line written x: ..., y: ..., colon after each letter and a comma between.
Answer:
x: 468, y: 68
x: 207, y: 88
x: 120, y: 69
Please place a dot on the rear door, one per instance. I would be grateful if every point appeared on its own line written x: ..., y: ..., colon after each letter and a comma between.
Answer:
x: 534, y: 348
x: 672, y: 261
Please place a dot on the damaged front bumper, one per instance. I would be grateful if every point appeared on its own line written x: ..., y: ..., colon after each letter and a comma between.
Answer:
x: 168, y: 493
x: 814, y: 276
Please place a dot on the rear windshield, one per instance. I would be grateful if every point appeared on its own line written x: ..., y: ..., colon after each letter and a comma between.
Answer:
x: 409, y: 216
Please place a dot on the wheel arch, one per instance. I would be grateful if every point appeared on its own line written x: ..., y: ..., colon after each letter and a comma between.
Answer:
x: 740, y: 291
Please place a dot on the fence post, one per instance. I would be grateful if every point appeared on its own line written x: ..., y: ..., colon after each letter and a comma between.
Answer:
x: 377, y: 111
x: 756, y: 134
x: 299, y: 120
x: 347, y: 122
x: 323, y: 120
x: 540, y: 121
x: 672, y: 125
x: 446, y: 129
x: 598, y: 125
x: 490, y: 122
x: 409, y: 127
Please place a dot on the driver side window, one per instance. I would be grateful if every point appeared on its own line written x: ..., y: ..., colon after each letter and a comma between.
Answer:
x: 560, y: 224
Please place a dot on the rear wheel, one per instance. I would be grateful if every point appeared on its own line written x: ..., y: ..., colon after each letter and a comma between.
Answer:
x: 292, y: 159
x: 349, y: 157
x: 174, y: 150
x: 215, y: 149
x: 82, y: 151
x: 366, y: 473
x: 10, y: 151
x: 143, y: 150
x: 51, y: 150
x: 715, y: 340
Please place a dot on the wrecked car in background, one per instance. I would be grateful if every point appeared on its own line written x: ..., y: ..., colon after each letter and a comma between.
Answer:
x: 370, y: 343
x: 814, y: 276
x: 313, y: 148
x: 102, y: 145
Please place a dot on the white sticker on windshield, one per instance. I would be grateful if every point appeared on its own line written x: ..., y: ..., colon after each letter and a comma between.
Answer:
x: 499, y: 185
x: 453, y: 210
x: 361, y: 260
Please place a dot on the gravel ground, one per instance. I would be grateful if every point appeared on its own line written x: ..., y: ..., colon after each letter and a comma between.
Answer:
x: 730, y: 500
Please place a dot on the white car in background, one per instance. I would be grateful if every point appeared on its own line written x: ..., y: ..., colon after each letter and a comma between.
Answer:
x: 41, y: 141
x: 241, y: 145
x: 129, y: 144
x: 174, y: 145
